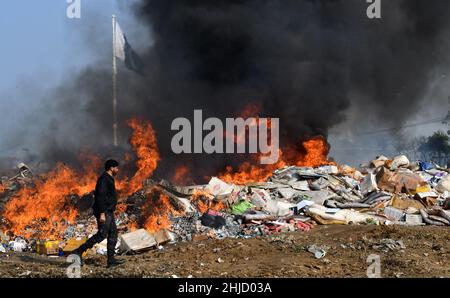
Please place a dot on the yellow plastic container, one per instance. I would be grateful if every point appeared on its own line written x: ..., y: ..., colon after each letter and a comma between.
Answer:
x: 47, y: 247
x: 425, y: 188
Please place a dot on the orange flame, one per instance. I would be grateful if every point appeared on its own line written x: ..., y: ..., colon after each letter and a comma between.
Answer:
x: 182, y: 176
x: 250, y: 172
x: 44, y: 209
x: 156, y: 212
x: 145, y: 146
x: 204, y: 201
x: 132, y: 226
x: 312, y: 153
x: 316, y: 152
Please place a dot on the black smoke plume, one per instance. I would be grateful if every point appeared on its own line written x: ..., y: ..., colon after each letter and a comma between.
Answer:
x: 304, y: 61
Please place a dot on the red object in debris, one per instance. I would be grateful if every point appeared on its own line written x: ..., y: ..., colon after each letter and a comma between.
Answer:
x: 272, y: 229
x: 214, y: 213
x: 304, y: 226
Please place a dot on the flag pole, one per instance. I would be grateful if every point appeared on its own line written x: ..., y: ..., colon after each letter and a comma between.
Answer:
x: 114, y: 81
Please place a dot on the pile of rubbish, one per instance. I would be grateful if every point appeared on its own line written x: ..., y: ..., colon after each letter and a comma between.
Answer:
x: 382, y: 192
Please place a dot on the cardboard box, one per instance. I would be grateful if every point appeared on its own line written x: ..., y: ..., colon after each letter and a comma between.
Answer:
x: 137, y: 241
x: 47, y: 247
x: 414, y: 219
x: 163, y: 236
x: 394, y: 213
x: 72, y: 244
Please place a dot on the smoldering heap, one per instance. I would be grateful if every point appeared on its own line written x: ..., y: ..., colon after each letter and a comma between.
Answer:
x: 305, y: 62
x: 381, y: 192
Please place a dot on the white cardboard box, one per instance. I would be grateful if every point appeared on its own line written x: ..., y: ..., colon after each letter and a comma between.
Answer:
x: 137, y: 241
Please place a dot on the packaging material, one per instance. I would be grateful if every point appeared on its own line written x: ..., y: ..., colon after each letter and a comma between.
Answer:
x: 18, y: 245
x: 303, y: 204
x: 394, y: 213
x: 414, y: 219
x: 404, y: 203
x: 319, y: 184
x: 399, y: 181
x: 423, y: 188
x: 424, y: 166
x: 443, y: 184
x: 318, y: 197
x: 72, y: 244
x: 369, y: 184
x: 328, y: 169
x: 47, y: 247
x: 379, y: 161
x: 163, y: 236
x: 137, y: 241
x: 345, y: 216
x: 318, y: 251
x: 218, y: 187
x: 397, y: 162
x: 187, y: 205
x: 287, y: 193
x: 240, y: 207
x: 299, y: 185
x: 260, y: 197
x: 284, y: 208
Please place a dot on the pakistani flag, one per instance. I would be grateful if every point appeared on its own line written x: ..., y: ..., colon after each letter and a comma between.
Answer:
x: 124, y: 52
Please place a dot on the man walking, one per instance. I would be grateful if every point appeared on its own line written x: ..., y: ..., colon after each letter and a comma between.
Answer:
x: 104, y: 207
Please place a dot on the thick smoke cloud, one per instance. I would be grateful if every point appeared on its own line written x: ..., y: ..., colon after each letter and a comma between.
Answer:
x: 305, y: 61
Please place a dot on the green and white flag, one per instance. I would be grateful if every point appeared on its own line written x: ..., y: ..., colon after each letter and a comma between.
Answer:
x: 125, y: 52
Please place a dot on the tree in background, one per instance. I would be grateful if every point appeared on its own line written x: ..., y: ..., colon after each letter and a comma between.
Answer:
x: 435, y: 147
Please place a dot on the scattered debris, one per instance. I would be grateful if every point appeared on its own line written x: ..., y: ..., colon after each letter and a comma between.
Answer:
x: 384, y: 191
x: 414, y: 219
x: 318, y: 251
x: 47, y: 247
x: 137, y: 241
x: 18, y: 245
x: 388, y: 245
x: 394, y: 213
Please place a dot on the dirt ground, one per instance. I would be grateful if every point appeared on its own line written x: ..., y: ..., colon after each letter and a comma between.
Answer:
x: 284, y: 255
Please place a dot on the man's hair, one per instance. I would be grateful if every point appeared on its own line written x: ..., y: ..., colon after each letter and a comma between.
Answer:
x: 111, y: 163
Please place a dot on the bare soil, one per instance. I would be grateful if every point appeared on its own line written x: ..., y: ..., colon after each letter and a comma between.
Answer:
x: 284, y: 255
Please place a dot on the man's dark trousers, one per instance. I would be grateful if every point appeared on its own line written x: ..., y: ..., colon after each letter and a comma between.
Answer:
x: 106, y: 230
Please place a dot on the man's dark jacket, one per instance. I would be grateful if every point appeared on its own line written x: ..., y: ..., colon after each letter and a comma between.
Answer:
x: 105, y: 195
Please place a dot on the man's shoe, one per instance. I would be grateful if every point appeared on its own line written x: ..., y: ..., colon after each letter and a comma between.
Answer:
x: 79, y: 254
x: 114, y: 262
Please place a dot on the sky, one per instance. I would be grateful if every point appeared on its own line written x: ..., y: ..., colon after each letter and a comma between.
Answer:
x: 42, y: 47
x: 41, y: 38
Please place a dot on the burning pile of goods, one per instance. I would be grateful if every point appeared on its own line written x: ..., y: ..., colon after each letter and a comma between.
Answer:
x: 51, y: 214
